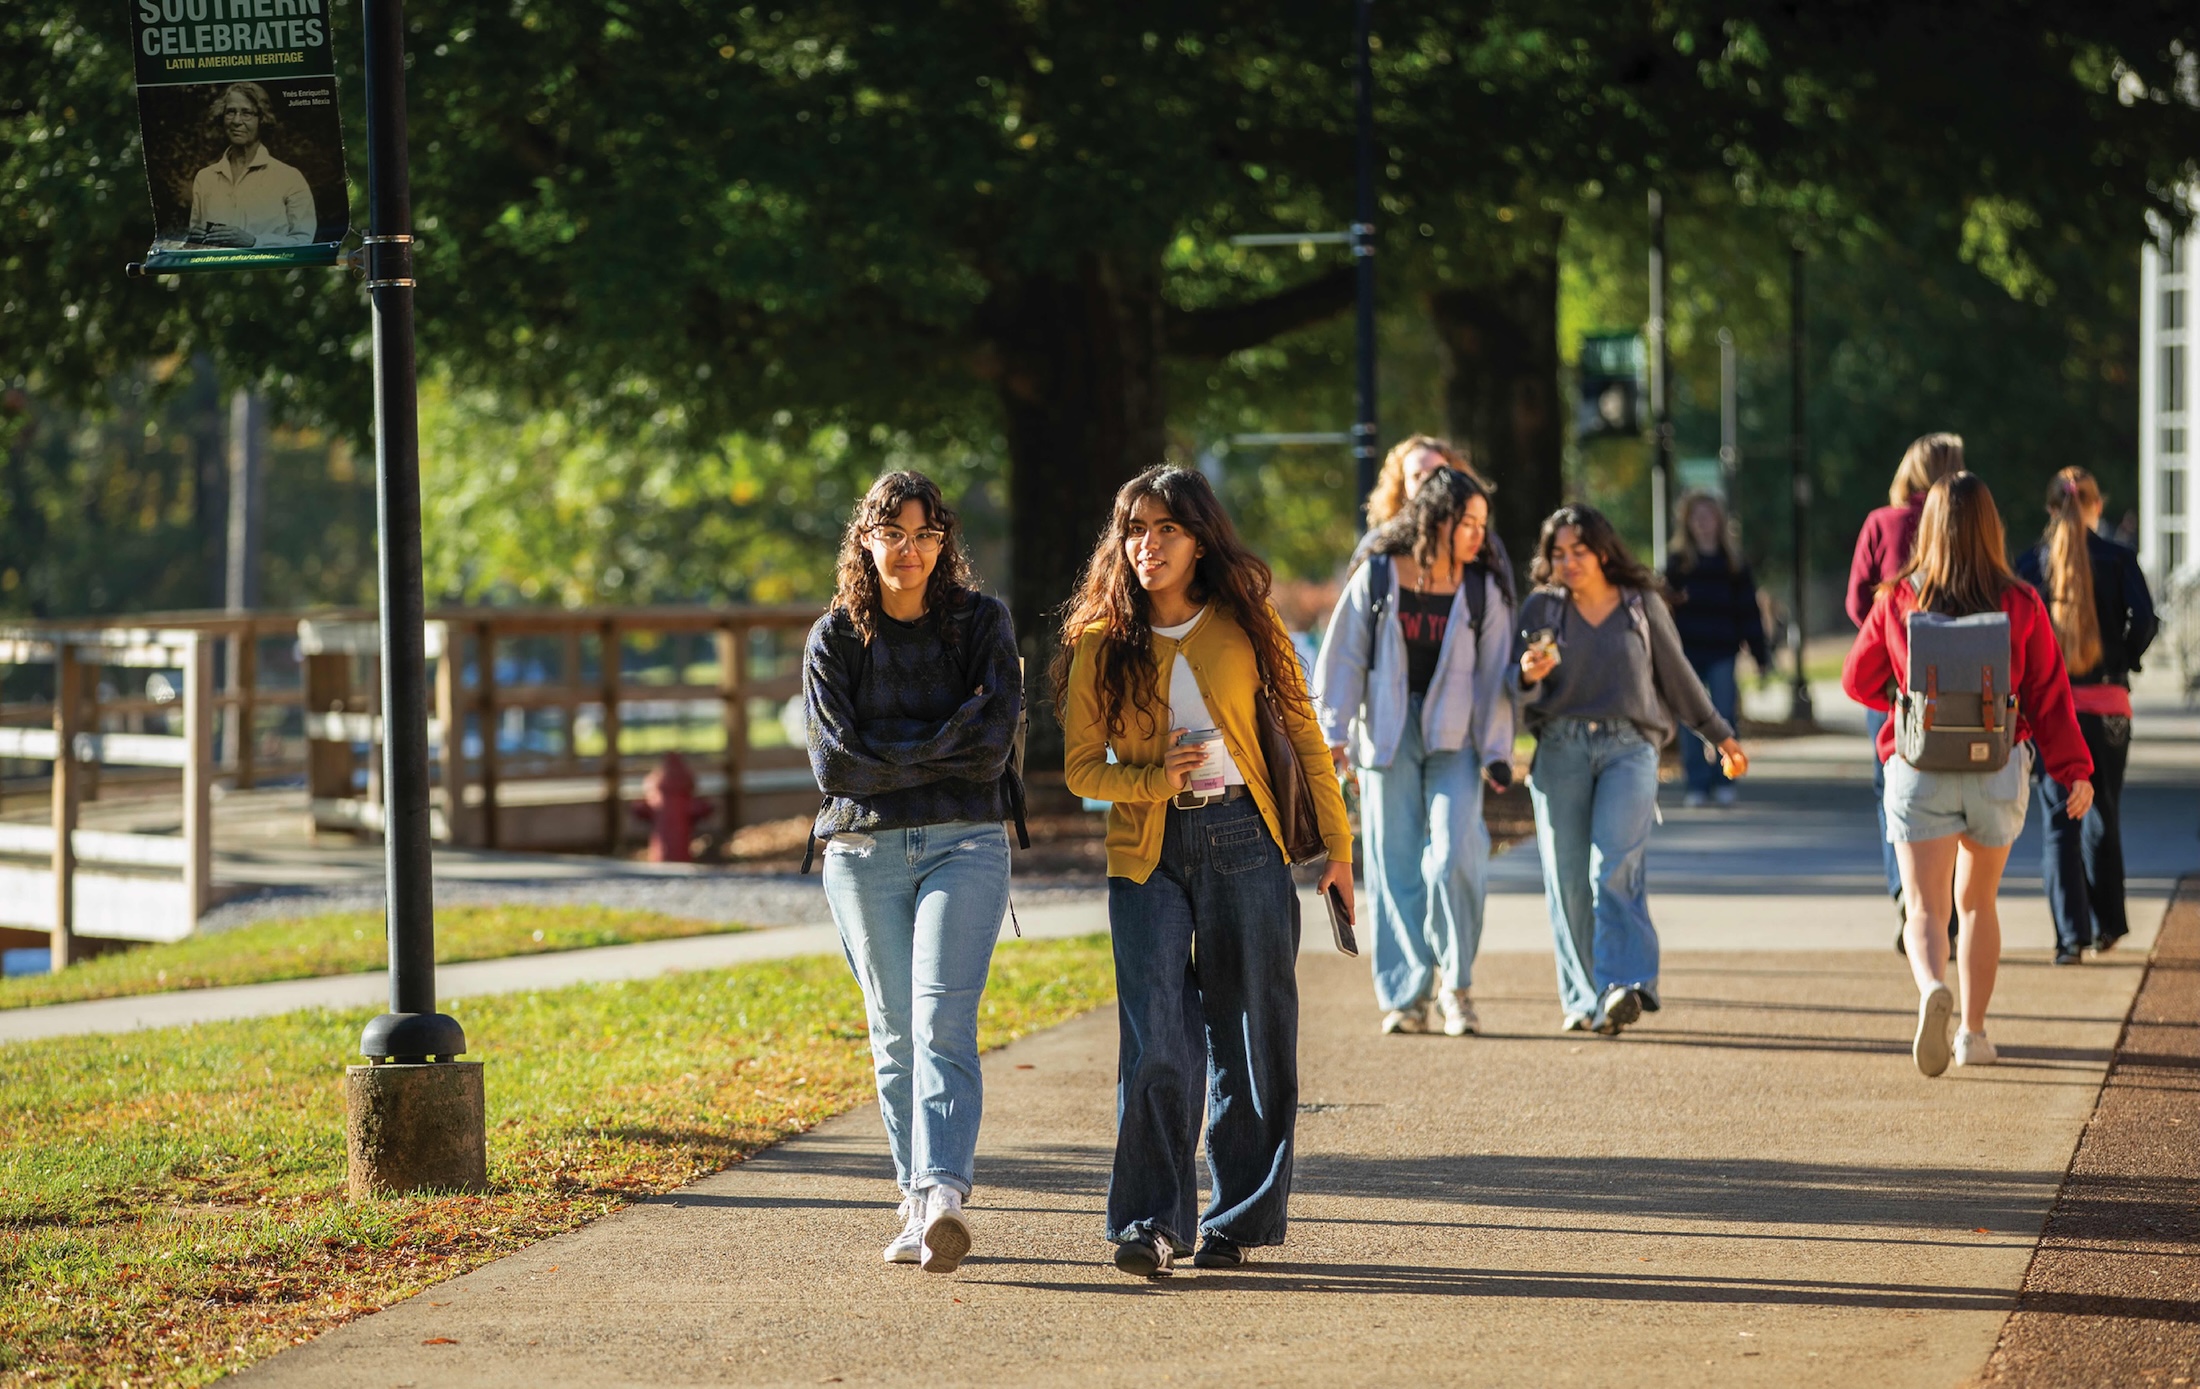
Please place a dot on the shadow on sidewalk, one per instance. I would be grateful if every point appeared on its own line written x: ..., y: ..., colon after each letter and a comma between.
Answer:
x: 1920, y: 1199
x: 1362, y: 1280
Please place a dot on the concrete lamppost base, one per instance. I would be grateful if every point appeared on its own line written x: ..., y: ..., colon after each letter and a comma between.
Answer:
x: 408, y: 1126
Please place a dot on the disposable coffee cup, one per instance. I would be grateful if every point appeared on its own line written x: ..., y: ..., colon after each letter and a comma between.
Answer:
x: 1207, y: 778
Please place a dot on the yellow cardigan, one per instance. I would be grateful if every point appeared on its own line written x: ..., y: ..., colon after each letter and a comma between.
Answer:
x: 1222, y: 661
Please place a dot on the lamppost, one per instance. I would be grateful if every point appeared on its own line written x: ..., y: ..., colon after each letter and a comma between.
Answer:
x: 1363, y: 251
x: 1661, y: 377
x: 415, y: 1112
x: 1799, y: 710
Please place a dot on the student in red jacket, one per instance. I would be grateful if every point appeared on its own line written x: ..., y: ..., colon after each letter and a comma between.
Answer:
x: 1961, y: 825
x: 1882, y: 549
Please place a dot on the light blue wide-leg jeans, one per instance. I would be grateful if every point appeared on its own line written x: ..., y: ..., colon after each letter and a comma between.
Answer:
x: 1595, y: 786
x: 919, y: 910
x: 1428, y: 853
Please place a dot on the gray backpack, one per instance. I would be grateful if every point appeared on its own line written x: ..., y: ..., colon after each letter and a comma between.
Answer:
x: 1956, y: 712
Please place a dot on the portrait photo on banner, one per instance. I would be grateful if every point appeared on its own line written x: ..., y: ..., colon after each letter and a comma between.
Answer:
x: 245, y: 163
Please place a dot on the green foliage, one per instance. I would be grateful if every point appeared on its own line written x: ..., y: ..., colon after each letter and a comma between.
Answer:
x: 172, y: 1203
x: 342, y: 943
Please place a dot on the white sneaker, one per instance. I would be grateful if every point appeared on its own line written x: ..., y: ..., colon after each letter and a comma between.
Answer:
x: 1459, y: 1016
x: 906, y: 1246
x: 1414, y: 1019
x: 946, y: 1234
x: 1972, y: 1049
x: 1935, y: 1009
x: 1726, y: 795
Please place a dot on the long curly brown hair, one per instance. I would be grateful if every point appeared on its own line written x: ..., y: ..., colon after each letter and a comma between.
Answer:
x: 951, y: 583
x: 1108, y: 592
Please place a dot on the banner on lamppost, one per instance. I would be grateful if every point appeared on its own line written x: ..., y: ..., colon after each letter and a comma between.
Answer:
x: 244, y: 145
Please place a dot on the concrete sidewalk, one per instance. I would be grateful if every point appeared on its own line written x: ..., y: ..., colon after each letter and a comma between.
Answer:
x: 1753, y: 1187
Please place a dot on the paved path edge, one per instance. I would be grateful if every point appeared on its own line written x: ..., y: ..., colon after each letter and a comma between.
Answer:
x: 2112, y: 1295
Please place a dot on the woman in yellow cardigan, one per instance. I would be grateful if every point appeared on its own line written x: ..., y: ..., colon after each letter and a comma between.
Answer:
x: 1162, y: 651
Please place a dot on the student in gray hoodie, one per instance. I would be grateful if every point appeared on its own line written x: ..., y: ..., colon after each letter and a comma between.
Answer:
x: 1411, y: 678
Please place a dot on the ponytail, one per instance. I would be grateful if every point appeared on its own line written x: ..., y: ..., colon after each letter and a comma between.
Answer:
x: 2069, y: 569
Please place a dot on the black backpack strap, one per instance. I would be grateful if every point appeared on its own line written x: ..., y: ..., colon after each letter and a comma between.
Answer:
x: 1476, y: 584
x: 1379, y: 584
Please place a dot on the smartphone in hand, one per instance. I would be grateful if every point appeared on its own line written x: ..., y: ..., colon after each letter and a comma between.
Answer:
x: 1340, y: 921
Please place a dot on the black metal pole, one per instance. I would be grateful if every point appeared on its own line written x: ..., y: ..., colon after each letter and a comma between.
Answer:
x: 1799, y: 709
x: 1363, y: 250
x: 1661, y: 390
x: 412, y: 1030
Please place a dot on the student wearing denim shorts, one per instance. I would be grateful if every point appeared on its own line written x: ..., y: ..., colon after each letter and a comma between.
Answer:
x: 1952, y: 831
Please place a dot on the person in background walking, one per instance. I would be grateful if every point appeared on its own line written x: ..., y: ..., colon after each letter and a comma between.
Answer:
x: 1601, y: 678
x: 1165, y: 648
x: 1410, y: 462
x: 1882, y: 549
x: 1952, y: 831
x: 1715, y: 611
x: 2104, y: 621
x: 1411, y: 679
x: 914, y: 693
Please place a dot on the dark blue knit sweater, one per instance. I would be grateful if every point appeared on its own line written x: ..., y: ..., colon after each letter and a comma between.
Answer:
x: 911, y: 729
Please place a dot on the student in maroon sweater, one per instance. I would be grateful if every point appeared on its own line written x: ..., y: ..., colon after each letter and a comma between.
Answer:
x: 1960, y: 826
x: 1882, y: 549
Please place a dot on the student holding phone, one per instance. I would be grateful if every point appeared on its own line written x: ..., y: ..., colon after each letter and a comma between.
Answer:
x: 1602, y: 680
x: 1165, y: 647
x: 1412, y: 681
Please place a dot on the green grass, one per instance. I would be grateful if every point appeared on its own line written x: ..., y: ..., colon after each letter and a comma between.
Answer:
x: 172, y: 1202
x: 342, y: 943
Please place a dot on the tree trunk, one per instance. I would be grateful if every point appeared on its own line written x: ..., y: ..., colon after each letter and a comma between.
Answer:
x: 1079, y: 360
x: 1501, y: 392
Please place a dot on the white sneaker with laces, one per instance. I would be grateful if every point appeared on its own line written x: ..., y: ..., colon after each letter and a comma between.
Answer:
x: 1972, y: 1049
x: 1413, y: 1019
x: 906, y: 1247
x: 946, y: 1233
x: 1459, y: 1015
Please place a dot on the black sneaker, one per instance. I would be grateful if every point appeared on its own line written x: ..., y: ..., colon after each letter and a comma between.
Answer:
x: 1146, y: 1255
x: 2069, y: 957
x: 1620, y: 1007
x: 1217, y: 1252
x: 2107, y: 943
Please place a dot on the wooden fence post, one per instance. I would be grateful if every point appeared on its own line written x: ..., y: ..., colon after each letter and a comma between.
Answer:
x: 485, y: 696
x: 733, y: 681
x: 66, y: 679
x: 614, y: 811
x: 450, y: 711
x: 244, y: 668
x: 198, y: 776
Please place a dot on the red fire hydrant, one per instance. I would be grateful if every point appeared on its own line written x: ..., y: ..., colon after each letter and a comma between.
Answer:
x: 673, y: 810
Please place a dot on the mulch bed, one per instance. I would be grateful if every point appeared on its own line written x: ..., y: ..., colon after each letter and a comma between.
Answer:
x: 2113, y: 1293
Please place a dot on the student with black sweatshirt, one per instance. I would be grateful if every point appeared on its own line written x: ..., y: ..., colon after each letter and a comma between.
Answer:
x: 1714, y: 601
x: 914, y: 694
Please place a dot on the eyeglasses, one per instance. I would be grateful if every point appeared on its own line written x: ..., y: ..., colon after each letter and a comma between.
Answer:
x: 895, y: 538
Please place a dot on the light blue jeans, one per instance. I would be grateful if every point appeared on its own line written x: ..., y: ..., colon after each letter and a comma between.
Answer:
x: 919, y: 911
x: 1595, y: 784
x: 1428, y: 853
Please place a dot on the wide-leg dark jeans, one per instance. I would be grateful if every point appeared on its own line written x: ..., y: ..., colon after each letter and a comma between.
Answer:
x: 1206, y: 952
x: 2082, y: 862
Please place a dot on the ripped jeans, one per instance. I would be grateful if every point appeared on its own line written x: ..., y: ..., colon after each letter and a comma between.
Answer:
x: 919, y: 910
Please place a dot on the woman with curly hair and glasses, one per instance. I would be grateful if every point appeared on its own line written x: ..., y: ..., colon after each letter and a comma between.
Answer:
x: 1165, y: 649
x: 914, y: 694
x: 1602, y: 680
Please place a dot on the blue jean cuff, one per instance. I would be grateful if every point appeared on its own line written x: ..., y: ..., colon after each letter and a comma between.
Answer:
x: 1147, y: 1230
x: 925, y: 1180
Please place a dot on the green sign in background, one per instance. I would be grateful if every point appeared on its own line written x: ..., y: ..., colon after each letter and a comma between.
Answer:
x: 194, y: 41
